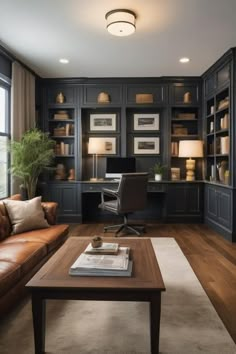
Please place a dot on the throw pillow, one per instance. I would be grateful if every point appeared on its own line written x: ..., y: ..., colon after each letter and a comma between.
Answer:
x: 26, y: 215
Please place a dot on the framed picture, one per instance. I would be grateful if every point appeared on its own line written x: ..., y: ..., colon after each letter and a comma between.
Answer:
x: 103, y: 122
x: 146, y: 145
x: 103, y: 145
x: 148, y: 121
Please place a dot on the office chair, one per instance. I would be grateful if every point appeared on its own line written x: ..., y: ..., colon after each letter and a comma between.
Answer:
x: 130, y: 196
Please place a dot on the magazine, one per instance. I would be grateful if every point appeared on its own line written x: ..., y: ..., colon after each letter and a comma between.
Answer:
x: 105, y: 262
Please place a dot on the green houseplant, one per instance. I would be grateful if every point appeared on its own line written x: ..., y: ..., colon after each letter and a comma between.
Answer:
x: 30, y: 156
x: 158, y: 169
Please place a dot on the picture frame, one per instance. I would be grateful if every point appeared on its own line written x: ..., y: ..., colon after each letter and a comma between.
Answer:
x: 175, y: 173
x: 103, y: 122
x: 146, y: 145
x: 106, y: 145
x: 146, y: 121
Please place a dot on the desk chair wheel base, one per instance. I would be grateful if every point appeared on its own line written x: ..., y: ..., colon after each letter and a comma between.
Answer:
x: 125, y: 227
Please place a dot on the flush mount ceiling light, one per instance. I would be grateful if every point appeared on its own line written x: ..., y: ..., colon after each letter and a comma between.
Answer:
x: 64, y: 61
x: 121, y: 22
x: 184, y: 60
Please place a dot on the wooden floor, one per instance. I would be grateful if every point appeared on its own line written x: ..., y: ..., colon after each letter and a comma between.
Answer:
x: 212, y: 258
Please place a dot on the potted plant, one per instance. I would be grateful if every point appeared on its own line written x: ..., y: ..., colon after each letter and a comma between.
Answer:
x: 158, y: 169
x: 30, y: 156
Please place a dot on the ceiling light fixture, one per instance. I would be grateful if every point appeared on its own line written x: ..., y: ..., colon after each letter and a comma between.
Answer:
x: 184, y: 60
x: 64, y: 61
x: 121, y: 22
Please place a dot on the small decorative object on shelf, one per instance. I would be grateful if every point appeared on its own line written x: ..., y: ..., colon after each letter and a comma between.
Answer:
x: 96, y: 242
x: 60, y: 172
x: 227, y: 177
x: 60, y: 98
x: 71, y: 176
x: 222, y: 166
x: 187, y: 97
x: 103, y: 97
x: 144, y: 98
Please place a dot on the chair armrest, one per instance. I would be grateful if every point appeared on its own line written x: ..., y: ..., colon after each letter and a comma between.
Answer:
x: 50, y: 211
x: 109, y: 193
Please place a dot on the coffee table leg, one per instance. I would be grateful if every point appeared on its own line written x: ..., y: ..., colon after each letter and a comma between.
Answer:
x: 155, y: 316
x: 38, y: 310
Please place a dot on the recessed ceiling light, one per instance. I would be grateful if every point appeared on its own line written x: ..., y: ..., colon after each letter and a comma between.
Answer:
x: 64, y: 61
x: 184, y: 60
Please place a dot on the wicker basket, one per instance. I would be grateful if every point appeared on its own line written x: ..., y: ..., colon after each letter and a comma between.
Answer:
x: 144, y: 98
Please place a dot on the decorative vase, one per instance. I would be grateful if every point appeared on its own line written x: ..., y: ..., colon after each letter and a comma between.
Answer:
x: 158, y: 177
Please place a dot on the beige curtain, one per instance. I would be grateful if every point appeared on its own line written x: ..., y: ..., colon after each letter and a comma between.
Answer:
x: 22, y: 106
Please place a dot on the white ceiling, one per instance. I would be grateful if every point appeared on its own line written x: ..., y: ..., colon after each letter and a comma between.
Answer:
x: 39, y: 32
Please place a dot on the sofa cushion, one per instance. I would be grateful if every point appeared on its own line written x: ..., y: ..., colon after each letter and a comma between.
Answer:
x: 10, y: 273
x: 26, y: 215
x: 27, y: 255
x: 50, y: 237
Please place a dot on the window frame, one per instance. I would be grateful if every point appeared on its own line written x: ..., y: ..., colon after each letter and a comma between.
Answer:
x: 5, y: 83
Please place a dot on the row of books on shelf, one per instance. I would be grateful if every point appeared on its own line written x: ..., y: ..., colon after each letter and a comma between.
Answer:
x: 108, y: 260
x: 64, y: 148
x: 222, y: 146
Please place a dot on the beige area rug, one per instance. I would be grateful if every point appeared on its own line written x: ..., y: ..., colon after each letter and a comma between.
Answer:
x: 189, y: 323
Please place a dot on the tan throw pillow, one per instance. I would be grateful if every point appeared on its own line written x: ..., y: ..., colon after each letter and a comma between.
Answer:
x: 26, y: 215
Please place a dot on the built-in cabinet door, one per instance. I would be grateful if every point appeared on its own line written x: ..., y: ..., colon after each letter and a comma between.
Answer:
x: 68, y: 198
x: 218, y: 204
x: 185, y: 200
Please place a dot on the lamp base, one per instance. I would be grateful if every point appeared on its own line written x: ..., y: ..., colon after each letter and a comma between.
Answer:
x: 190, y: 167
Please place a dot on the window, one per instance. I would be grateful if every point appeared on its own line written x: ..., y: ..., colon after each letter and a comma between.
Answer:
x: 4, y: 136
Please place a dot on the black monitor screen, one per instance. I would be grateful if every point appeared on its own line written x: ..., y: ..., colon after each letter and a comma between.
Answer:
x: 118, y: 165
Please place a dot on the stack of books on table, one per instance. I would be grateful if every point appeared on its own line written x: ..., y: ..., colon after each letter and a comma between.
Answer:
x: 107, y: 260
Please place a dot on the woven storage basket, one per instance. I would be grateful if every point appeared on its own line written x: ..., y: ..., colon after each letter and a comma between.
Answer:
x: 144, y: 98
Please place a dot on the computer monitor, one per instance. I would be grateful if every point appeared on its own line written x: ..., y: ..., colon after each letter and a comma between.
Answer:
x: 118, y: 165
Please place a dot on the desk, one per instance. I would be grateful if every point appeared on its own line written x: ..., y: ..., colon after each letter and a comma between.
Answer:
x: 168, y: 201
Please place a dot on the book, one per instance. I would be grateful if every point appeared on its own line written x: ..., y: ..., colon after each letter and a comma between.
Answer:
x: 106, y: 248
x: 103, y: 272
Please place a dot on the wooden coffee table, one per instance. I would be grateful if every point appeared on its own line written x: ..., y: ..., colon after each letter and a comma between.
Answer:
x: 52, y: 281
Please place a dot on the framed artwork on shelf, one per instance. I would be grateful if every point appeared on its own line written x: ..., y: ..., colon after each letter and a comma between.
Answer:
x: 147, y: 121
x: 146, y: 145
x: 103, y: 122
x: 103, y: 145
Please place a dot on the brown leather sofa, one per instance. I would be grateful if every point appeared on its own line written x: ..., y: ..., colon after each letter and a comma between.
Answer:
x: 21, y: 255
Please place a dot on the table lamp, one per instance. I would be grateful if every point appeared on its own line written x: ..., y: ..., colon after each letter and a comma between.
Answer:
x: 190, y: 148
x: 94, y: 148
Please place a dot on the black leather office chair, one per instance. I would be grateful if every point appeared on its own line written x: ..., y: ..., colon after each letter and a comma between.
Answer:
x: 130, y: 196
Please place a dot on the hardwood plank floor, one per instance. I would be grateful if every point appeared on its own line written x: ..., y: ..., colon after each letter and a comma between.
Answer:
x: 212, y: 258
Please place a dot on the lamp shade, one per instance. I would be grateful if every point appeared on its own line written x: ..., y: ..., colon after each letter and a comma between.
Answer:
x: 191, y: 148
x: 121, y: 22
x: 94, y: 146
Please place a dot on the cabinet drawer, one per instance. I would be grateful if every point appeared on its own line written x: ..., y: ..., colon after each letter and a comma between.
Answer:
x: 97, y: 187
x: 158, y: 92
x: 91, y: 93
x: 156, y: 188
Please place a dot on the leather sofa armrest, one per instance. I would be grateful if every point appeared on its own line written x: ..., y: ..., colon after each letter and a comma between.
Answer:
x: 50, y: 211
